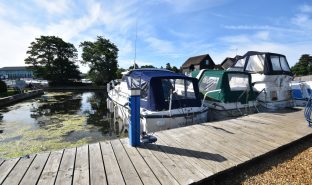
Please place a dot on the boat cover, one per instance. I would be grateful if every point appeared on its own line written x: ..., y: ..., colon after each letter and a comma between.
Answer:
x: 155, y: 85
x: 227, y: 86
x: 262, y: 62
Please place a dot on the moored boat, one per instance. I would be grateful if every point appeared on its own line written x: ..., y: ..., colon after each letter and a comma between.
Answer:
x: 227, y: 93
x: 168, y: 99
x: 271, y: 77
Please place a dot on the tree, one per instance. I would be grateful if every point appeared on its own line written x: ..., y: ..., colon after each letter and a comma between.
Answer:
x: 147, y: 66
x: 175, y: 69
x: 101, y: 56
x: 3, y: 87
x: 118, y: 72
x: 135, y: 65
x: 303, y: 66
x: 53, y: 59
x: 168, y: 66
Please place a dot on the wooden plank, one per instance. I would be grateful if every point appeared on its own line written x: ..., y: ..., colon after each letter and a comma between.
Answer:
x: 163, y: 175
x: 208, y: 141
x: 288, y: 125
x: 49, y: 172
x: 66, y: 169
x: 250, y: 142
x: 187, y: 155
x: 112, y: 169
x: 97, y: 171
x: 1, y: 161
x: 34, y: 171
x: 6, y: 168
x: 182, y: 175
x: 140, y: 165
x: 81, y: 171
x: 203, y: 148
x: 176, y: 152
x: 127, y: 169
x: 265, y: 131
x: 254, y: 142
x: 19, y: 170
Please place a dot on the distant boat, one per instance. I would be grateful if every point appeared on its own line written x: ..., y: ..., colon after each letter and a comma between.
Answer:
x: 271, y: 77
x: 301, y: 92
x: 228, y: 93
x: 168, y: 99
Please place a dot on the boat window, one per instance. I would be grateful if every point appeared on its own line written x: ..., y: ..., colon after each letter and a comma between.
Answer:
x: 189, y: 89
x: 276, y: 63
x: 208, y: 83
x: 255, y: 63
x: 179, y: 88
x: 284, y: 64
x: 238, y: 82
x: 240, y: 63
x: 144, y: 91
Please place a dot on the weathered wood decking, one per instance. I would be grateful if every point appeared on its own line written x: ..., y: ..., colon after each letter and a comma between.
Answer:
x: 180, y: 156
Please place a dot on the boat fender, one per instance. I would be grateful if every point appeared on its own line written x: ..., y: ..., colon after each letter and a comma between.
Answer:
x: 148, y: 139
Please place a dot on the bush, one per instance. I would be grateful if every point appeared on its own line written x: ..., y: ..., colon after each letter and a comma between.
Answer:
x: 3, y: 87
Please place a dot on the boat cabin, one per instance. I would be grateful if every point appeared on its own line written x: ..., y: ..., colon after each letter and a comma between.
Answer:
x: 271, y: 77
x: 262, y: 62
x: 226, y: 86
x: 164, y: 89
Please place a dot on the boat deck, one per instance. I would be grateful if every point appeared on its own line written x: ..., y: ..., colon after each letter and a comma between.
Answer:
x: 180, y: 156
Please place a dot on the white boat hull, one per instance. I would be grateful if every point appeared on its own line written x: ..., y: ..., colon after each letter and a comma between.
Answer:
x: 152, y: 121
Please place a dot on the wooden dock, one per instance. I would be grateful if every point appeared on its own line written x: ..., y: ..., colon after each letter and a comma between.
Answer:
x: 180, y: 156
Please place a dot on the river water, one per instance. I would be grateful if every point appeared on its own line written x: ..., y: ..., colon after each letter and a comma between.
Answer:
x: 55, y: 121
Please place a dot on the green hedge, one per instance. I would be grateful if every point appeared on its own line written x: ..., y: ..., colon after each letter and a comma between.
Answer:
x: 3, y: 87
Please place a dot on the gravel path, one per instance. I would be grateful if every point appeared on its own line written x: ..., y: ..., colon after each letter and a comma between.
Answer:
x: 291, y: 166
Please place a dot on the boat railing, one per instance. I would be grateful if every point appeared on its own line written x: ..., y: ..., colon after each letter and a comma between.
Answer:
x: 307, y: 111
x: 216, y: 90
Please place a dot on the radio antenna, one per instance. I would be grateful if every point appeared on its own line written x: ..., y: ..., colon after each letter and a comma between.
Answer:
x: 135, y: 43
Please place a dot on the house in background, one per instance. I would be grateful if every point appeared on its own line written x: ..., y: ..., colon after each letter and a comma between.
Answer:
x: 197, y: 63
x: 16, y: 72
x: 229, y: 62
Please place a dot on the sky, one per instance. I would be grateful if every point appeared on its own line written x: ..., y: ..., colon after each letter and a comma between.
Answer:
x: 160, y: 31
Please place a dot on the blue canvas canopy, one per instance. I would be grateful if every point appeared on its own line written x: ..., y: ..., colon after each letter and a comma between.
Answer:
x: 159, y: 87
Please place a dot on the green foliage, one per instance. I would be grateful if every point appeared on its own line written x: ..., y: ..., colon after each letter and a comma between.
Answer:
x: 303, y: 66
x: 136, y: 66
x: 101, y: 56
x: 3, y: 87
x: 53, y: 59
x: 118, y: 73
x: 173, y: 68
x: 148, y: 66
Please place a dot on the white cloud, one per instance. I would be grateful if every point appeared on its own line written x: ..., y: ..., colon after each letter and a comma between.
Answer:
x: 263, y: 35
x: 55, y: 6
x: 235, y: 39
x: 161, y: 46
x: 304, y: 21
x: 306, y: 8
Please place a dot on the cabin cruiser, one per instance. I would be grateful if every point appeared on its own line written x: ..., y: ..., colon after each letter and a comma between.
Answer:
x: 167, y: 99
x: 301, y: 92
x: 271, y: 77
x: 227, y: 93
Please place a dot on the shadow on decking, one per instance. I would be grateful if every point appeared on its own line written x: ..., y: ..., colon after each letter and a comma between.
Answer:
x: 185, y: 152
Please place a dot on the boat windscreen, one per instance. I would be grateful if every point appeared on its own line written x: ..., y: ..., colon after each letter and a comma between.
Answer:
x: 208, y: 83
x: 255, y: 63
x: 240, y: 62
x: 238, y: 82
x: 180, y: 89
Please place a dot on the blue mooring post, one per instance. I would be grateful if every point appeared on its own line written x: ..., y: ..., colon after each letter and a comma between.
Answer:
x: 134, y: 125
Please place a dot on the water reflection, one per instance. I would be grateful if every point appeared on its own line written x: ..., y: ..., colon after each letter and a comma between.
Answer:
x: 56, y: 120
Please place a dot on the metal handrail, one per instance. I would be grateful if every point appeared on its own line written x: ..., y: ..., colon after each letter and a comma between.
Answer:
x: 307, y: 111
